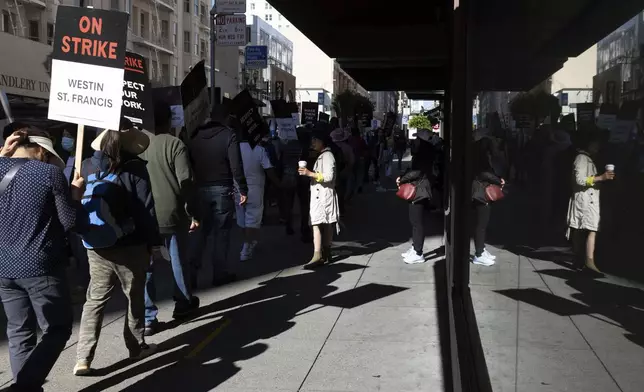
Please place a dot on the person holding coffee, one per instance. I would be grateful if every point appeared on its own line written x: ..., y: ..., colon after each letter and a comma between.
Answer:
x: 583, y: 208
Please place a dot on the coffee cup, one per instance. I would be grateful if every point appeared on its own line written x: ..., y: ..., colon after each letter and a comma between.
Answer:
x: 610, y: 168
x: 301, y: 164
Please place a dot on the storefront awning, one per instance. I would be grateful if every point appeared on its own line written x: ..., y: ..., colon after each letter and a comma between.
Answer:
x: 24, y: 67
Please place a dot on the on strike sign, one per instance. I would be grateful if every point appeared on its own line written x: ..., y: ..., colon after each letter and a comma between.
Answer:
x: 137, y: 95
x: 87, y: 67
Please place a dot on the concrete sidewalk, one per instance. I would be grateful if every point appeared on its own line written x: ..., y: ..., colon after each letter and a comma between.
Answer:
x: 368, y: 322
x: 545, y: 327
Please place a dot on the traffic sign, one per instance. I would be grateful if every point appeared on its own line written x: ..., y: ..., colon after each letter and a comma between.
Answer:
x: 230, y: 6
x: 231, y: 30
x: 256, y: 57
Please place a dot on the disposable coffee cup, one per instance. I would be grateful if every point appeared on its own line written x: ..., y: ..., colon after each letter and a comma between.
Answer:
x: 301, y: 164
x: 610, y: 168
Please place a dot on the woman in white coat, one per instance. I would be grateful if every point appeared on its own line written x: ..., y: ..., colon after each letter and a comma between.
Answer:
x: 583, y: 209
x: 324, y: 209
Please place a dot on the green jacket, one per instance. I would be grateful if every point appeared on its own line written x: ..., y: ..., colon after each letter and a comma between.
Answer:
x: 172, y: 182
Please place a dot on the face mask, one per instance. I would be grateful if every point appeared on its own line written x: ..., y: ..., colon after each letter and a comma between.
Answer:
x: 68, y: 144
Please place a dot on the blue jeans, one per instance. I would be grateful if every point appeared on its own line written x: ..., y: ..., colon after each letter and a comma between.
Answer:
x: 176, y: 244
x: 216, y: 209
x: 30, y: 303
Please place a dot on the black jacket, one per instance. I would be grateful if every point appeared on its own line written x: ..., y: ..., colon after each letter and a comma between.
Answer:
x: 136, y: 181
x: 421, y: 172
x: 486, y: 167
x: 215, y: 157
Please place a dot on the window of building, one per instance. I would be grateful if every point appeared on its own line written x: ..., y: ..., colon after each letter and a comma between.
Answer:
x: 173, y: 81
x: 115, y: 5
x: 50, y: 33
x: 165, y: 72
x: 203, y: 49
x: 252, y: 6
x: 34, y: 30
x: 154, y: 74
x: 196, y: 44
x: 266, y: 5
x: 186, y: 6
x: 203, y: 13
x: 6, y: 23
x: 186, y: 42
x: 143, y: 24
x: 269, y: 17
x: 196, y: 7
x: 174, y: 34
x: 165, y: 30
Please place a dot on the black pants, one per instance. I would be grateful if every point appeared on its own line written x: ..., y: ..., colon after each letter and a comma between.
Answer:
x: 30, y: 303
x: 482, y: 218
x: 287, y: 201
x: 416, y: 218
x: 376, y: 170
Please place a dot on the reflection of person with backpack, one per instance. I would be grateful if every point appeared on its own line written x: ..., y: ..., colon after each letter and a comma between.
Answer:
x: 123, y: 233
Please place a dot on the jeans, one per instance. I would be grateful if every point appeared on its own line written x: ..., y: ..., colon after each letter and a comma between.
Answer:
x: 30, y: 303
x: 482, y: 215
x: 416, y: 218
x: 128, y: 265
x: 217, y: 208
x: 176, y: 243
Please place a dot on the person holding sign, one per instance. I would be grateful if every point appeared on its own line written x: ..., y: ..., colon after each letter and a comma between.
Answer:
x: 324, y: 209
x: 37, y: 211
x: 123, y: 235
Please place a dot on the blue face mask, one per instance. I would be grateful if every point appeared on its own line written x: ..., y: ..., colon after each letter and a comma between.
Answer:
x: 68, y: 144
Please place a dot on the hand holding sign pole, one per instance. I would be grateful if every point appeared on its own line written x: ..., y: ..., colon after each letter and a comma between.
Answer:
x: 87, y: 69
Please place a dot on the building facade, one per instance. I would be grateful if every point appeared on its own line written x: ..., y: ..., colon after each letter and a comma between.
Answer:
x: 383, y: 103
x: 172, y: 36
x: 620, y: 64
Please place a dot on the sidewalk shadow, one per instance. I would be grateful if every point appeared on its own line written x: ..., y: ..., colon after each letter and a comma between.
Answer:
x: 621, y: 304
x: 238, y: 327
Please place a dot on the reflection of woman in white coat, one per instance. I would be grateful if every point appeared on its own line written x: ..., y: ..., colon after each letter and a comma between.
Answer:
x: 324, y: 210
x: 583, y: 209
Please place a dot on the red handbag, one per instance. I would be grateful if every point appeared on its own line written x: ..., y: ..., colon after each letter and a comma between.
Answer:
x: 407, y: 192
x: 493, y: 193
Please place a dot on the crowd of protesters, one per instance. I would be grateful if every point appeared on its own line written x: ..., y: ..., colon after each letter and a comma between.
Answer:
x: 143, y: 197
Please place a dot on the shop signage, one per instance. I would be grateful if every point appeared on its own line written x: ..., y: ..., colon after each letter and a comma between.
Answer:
x: 230, y: 6
x: 29, y: 76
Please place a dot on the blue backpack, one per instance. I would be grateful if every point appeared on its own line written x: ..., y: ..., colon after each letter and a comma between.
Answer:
x: 104, y: 200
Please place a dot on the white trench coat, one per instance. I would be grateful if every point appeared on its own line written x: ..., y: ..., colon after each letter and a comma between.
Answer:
x: 583, y: 209
x: 324, y: 200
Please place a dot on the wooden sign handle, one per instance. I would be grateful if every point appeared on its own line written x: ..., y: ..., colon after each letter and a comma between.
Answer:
x: 80, y: 136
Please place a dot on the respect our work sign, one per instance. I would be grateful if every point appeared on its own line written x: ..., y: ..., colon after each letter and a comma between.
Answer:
x: 137, y: 95
x: 87, y: 67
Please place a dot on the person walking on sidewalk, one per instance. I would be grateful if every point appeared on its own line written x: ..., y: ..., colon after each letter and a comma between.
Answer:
x: 257, y: 166
x: 485, y: 174
x: 584, y: 207
x: 174, y: 197
x: 421, y: 176
x: 122, y: 237
x: 325, y: 209
x: 400, y: 145
x: 36, y: 212
x: 217, y: 164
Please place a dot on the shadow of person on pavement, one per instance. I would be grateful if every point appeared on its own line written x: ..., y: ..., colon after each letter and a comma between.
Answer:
x: 235, y: 329
x: 621, y: 304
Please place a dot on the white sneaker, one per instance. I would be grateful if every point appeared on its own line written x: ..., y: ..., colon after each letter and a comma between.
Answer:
x: 482, y: 260
x: 414, y: 258
x: 82, y: 368
x: 409, y: 252
x: 488, y: 255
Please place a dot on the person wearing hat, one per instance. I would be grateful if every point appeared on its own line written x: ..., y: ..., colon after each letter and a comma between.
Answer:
x: 340, y: 138
x: 132, y: 216
x: 37, y: 211
x: 324, y: 210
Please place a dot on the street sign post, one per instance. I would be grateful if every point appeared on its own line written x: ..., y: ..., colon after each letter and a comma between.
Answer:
x: 231, y: 30
x: 256, y: 57
x: 230, y: 6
